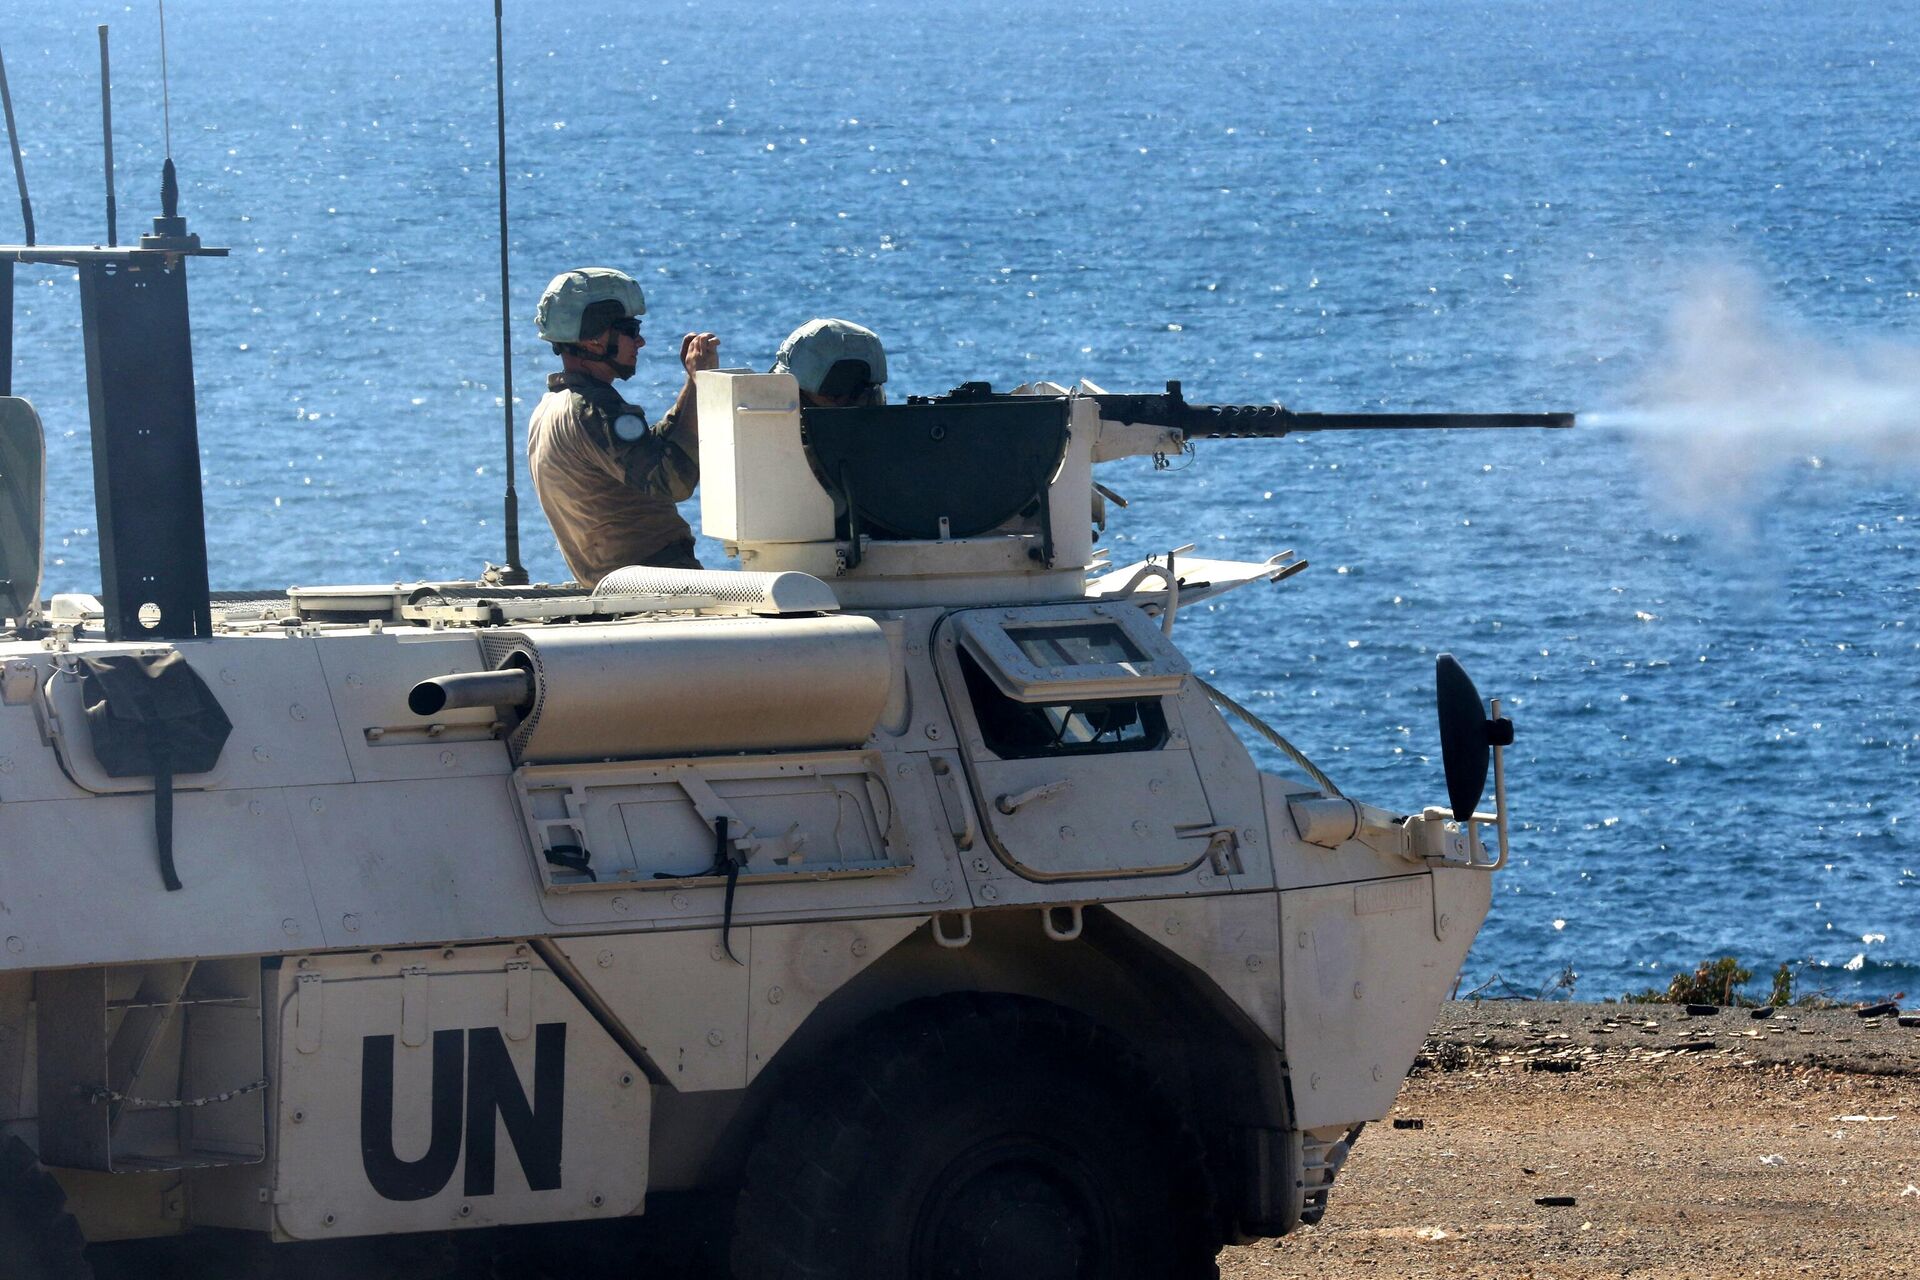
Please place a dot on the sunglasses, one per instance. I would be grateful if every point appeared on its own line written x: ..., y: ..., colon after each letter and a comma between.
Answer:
x: 629, y: 325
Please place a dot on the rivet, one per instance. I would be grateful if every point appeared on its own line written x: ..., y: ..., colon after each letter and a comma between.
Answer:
x: 255, y: 808
x: 299, y: 1117
x: 1446, y: 922
x: 466, y: 1211
x: 1140, y: 828
x: 860, y: 947
x: 260, y: 754
x: 16, y: 944
x: 1376, y: 1071
x: 1359, y: 992
x: 305, y: 963
x: 904, y: 769
x: 990, y: 892
x: 775, y: 995
x: 622, y: 905
x: 715, y: 1039
x: 626, y: 1079
x: 6, y: 764
x: 446, y: 953
x: 329, y: 1220
x: 1300, y: 940
x: 1313, y: 1081
x: 350, y: 922
x: 940, y: 888
x: 933, y: 732
x: 520, y: 949
x: 1068, y: 833
x: 596, y: 1200
x: 679, y: 902
x: 1156, y: 785
x: 353, y: 681
x: 297, y: 711
x: 447, y: 758
x: 290, y: 925
x: 1254, y: 963
x: 1250, y: 836
x: 227, y: 676
x: 604, y: 959
x: 980, y: 864
x: 1173, y: 925
x: 317, y: 805
x: 376, y: 958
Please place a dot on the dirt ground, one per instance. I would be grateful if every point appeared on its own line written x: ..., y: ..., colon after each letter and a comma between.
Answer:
x: 1713, y: 1146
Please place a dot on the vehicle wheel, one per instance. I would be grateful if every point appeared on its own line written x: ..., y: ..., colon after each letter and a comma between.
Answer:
x: 976, y: 1138
x: 39, y: 1239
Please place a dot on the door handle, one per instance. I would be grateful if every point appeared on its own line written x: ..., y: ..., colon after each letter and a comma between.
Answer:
x: 1009, y: 803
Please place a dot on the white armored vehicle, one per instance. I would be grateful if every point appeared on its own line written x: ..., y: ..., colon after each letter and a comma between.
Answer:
x: 906, y: 884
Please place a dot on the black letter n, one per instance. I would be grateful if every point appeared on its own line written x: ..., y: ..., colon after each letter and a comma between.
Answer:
x: 494, y: 1086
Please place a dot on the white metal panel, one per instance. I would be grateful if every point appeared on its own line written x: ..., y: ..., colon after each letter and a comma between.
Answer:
x: 271, y: 688
x: 679, y: 995
x: 797, y: 966
x: 1232, y: 939
x: 29, y: 769
x: 369, y: 678
x: 80, y: 880
x: 418, y: 861
x: 755, y: 483
x: 357, y: 1150
x: 1364, y: 978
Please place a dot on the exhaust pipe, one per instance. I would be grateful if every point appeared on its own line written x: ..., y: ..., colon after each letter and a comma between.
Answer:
x: 511, y: 688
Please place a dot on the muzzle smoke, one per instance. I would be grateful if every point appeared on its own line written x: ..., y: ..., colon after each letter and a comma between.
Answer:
x: 1742, y: 394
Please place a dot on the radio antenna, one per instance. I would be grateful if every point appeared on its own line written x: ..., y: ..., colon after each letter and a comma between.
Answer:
x: 106, y: 133
x: 166, y: 98
x: 513, y: 573
x: 19, y: 161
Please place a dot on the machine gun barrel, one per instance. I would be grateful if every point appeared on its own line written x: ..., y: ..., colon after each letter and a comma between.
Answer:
x: 1265, y: 421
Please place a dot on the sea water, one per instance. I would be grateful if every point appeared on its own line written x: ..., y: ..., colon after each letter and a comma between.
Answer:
x: 1693, y: 223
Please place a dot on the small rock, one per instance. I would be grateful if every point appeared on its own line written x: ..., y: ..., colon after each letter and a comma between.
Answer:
x: 1773, y: 1161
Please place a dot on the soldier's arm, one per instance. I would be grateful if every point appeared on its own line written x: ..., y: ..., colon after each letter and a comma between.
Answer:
x: 666, y: 460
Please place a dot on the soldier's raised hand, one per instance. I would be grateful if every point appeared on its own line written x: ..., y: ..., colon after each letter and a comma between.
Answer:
x: 699, y: 351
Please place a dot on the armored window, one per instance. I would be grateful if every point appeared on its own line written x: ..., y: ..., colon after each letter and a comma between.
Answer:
x: 1016, y: 730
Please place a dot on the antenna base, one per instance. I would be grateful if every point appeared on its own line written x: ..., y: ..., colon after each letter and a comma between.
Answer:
x: 170, y: 234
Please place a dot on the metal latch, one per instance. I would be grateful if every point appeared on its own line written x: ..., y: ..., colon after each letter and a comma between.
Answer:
x: 306, y: 1012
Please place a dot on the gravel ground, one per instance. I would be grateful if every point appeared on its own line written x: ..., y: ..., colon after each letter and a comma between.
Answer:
x: 1667, y: 1147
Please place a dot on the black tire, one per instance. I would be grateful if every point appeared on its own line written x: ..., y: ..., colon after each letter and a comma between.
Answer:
x: 39, y: 1240
x: 976, y: 1138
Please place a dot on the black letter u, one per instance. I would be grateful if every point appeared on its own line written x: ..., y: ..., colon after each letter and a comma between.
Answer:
x: 392, y: 1177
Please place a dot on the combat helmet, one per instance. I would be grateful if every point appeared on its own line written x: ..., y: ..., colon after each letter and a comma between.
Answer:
x: 834, y: 358
x: 581, y: 303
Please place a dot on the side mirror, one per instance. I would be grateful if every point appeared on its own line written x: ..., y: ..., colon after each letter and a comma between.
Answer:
x: 23, y: 496
x: 1467, y: 735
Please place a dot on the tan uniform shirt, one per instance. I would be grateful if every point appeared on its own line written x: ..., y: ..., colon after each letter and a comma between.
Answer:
x: 608, y: 481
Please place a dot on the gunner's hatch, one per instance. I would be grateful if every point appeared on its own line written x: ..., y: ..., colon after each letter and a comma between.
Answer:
x: 23, y: 493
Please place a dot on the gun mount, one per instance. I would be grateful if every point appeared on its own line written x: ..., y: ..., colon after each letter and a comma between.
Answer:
x: 976, y: 495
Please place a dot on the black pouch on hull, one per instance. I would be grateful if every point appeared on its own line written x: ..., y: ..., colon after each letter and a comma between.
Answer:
x: 151, y: 715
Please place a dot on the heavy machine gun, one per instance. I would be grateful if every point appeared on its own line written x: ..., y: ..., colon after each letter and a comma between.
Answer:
x: 1270, y: 421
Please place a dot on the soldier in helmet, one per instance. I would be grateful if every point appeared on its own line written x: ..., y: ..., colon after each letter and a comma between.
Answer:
x: 837, y: 363
x: 607, y: 479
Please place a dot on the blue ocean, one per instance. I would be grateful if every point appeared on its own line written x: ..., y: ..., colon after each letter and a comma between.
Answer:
x: 1693, y: 223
